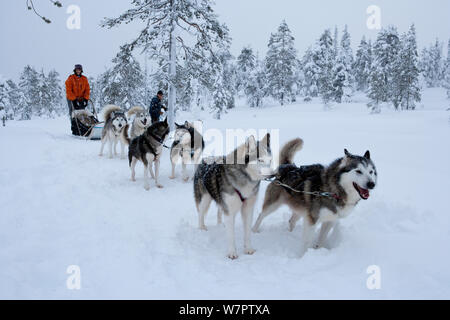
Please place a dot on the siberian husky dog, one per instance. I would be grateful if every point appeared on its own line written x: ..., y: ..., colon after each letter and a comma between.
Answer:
x: 141, y: 121
x: 187, y: 146
x: 317, y: 193
x: 148, y: 149
x: 232, y: 181
x: 115, y: 123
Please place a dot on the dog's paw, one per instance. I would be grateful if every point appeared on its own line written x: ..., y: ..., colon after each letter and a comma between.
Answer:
x: 302, y: 251
x: 256, y: 230
x: 100, y: 154
x: 133, y: 179
x: 249, y: 251
x: 186, y: 179
x: 316, y: 245
x: 147, y: 187
x: 204, y: 228
x: 292, y: 225
x: 232, y: 255
x: 160, y: 186
x: 172, y: 177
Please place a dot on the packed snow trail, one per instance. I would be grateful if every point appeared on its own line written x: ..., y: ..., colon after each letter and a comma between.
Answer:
x: 62, y: 205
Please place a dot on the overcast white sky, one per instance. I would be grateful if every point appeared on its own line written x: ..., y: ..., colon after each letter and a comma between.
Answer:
x: 27, y: 40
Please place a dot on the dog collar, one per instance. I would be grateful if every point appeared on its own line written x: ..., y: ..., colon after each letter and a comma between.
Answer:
x: 159, y: 139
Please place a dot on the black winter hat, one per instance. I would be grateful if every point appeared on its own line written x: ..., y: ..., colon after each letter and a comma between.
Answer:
x: 160, y: 92
x: 78, y: 66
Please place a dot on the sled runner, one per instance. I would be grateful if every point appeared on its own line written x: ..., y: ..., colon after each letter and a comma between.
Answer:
x: 85, y: 124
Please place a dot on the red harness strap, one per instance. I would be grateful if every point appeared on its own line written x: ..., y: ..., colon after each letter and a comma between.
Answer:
x: 240, y: 195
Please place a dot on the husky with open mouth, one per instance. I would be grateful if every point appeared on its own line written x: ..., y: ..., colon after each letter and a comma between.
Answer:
x: 317, y: 193
x: 141, y: 121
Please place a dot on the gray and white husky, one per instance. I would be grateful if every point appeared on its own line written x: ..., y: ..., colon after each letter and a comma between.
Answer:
x: 141, y: 121
x: 115, y: 123
x: 187, y: 146
x: 317, y: 193
x: 148, y: 149
x: 233, y: 183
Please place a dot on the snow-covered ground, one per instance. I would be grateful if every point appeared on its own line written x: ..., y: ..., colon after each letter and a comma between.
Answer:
x: 61, y: 204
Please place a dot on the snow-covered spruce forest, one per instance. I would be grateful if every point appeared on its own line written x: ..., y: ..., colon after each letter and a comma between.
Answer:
x: 390, y: 71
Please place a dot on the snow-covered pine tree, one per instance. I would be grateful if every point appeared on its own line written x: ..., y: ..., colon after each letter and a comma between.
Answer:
x: 310, y: 75
x: 431, y: 65
x: 3, y: 96
x: 55, y: 91
x: 13, y: 99
x: 385, y: 51
x: 363, y: 65
x: 184, y: 89
x: 323, y: 57
x: 447, y: 71
x: 126, y: 80
x: 50, y: 102
x: 229, y: 76
x: 336, y: 42
x: 29, y: 92
x: 406, y: 73
x: 41, y: 106
x: 109, y: 91
x: 176, y: 29
x: 342, y: 70
x: 256, y: 86
x: 246, y: 63
x: 223, y: 91
x: 342, y: 90
x: 281, y: 63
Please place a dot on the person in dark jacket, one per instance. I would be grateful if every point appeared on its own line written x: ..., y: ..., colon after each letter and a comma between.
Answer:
x: 156, y: 106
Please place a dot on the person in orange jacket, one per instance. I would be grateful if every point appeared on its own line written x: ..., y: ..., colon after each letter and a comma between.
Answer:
x: 77, y: 90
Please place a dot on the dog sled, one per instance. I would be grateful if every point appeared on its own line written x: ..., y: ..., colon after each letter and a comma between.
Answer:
x: 85, y: 123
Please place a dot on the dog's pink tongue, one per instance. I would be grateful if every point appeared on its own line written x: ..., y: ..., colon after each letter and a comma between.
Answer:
x: 365, y: 193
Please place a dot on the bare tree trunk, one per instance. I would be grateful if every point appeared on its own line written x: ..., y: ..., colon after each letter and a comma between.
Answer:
x: 172, y: 70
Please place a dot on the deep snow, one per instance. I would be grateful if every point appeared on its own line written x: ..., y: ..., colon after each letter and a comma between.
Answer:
x: 61, y: 204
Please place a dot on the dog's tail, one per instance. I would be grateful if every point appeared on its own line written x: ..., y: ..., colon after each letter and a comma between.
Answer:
x: 124, y: 135
x: 289, y: 150
x: 134, y: 110
x: 108, y: 110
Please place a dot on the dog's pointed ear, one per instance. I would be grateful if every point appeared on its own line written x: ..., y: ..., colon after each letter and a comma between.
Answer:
x: 251, y: 142
x: 367, y: 155
x: 177, y: 125
x: 187, y: 124
x: 165, y: 121
x: 266, y: 140
x: 347, y: 154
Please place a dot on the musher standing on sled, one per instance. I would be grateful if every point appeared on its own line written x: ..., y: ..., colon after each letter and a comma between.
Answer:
x: 77, y: 90
x: 156, y: 106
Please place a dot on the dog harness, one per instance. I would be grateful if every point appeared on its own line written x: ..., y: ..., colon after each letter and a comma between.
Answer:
x: 240, y: 195
x: 159, y: 139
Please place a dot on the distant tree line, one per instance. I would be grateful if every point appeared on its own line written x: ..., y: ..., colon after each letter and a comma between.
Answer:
x: 389, y: 71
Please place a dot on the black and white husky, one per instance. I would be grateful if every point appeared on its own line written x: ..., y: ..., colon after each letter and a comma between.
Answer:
x: 147, y: 148
x: 115, y: 123
x: 140, y: 122
x: 233, y: 183
x: 187, y: 146
x: 317, y: 193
